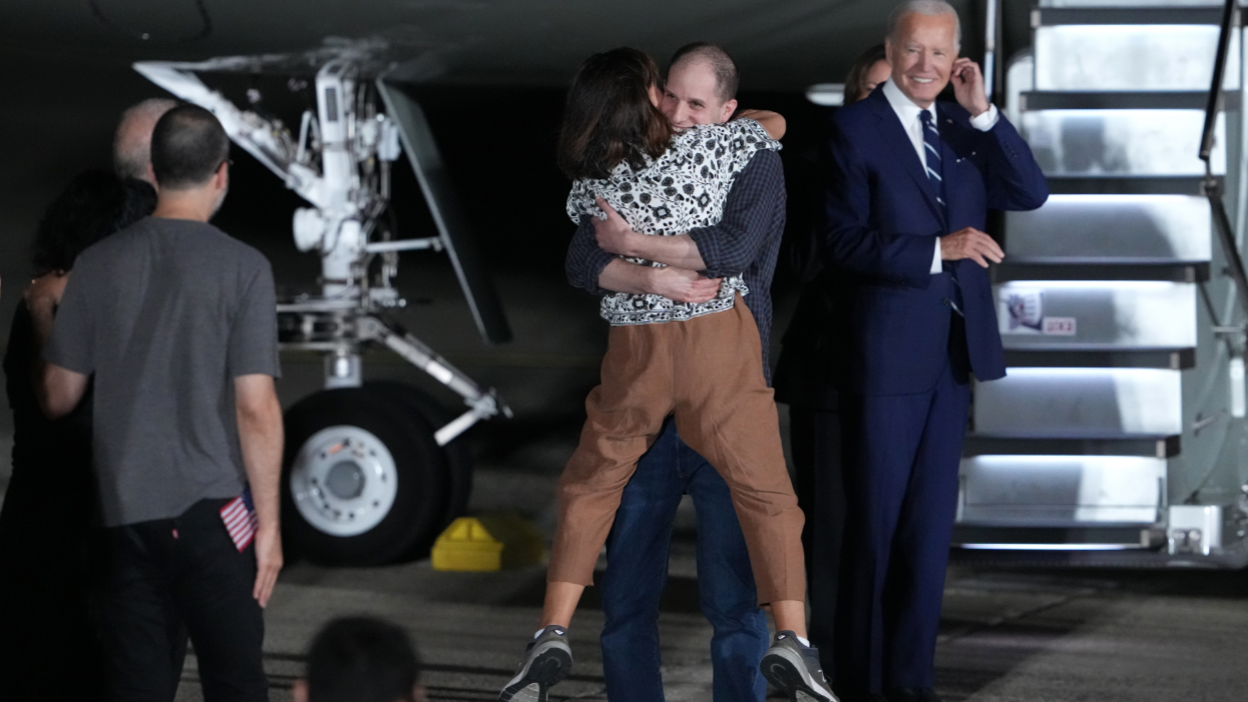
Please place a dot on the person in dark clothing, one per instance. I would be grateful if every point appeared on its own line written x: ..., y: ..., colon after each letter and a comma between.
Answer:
x: 910, y: 184
x: 804, y: 380
x: 48, y: 524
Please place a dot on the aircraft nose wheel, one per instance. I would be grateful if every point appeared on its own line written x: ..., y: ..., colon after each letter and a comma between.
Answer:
x: 364, y: 481
x: 344, y: 480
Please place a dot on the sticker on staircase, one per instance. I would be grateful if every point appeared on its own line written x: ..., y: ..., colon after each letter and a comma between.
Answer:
x: 1022, y: 312
x: 1059, y: 326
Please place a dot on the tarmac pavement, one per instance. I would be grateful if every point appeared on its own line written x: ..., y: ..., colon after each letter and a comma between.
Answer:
x: 1007, y: 635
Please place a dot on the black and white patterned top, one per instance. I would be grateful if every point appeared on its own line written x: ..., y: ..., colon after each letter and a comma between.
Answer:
x: 683, y: 189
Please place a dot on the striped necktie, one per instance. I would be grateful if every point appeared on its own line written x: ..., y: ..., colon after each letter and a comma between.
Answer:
x: 931, y: 144
x: 931, y: 149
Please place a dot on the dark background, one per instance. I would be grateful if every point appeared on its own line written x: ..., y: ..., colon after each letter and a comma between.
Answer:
x: 491, y: 76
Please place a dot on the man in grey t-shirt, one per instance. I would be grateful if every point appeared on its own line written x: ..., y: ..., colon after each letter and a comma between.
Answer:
x: 176, y: 322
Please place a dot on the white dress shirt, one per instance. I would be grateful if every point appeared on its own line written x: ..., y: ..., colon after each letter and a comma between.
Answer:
x: 908, y: 113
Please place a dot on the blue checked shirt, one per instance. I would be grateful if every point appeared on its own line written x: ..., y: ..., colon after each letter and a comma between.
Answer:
x: 746, y: 240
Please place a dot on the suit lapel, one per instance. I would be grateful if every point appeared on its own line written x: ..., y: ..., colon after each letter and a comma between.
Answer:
x: 903, y: 149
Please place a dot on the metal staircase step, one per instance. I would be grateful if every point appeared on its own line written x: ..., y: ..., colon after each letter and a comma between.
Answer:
x: 1106, y: 538
x: 1140, y: 227
x: 1112, y: 100
x: 1147, y: 445
x: 1121, y: 143
x: 1061, y: 490
x: 1081, y: 401
x: 1128, y: 185
x: 1104, y: 50
x: 1057, y: 16
x: 1041, y: 269
x: 1099, y: 356
x: 1123, y: 314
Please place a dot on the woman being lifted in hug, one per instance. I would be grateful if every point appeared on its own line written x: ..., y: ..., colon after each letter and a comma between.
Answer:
x: 701, y: 362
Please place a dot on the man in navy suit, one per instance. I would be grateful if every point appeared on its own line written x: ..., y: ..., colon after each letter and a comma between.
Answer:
x: 911, y: 181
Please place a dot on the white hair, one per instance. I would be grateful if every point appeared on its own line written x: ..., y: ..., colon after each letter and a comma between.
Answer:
x: 931, y: 8
x: 132, y: 145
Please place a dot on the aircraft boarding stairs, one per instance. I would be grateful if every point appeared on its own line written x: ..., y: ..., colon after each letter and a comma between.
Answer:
x: 1118, y: 436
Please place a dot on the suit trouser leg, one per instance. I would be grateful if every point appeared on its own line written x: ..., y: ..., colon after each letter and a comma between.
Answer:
x: 624, y: 415
x: 921, y: 545
x: 726, y: 412
x: 884, y: 435
x: 815, y: 438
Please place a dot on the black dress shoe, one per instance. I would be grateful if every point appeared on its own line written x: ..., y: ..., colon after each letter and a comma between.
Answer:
x: 912, y: 694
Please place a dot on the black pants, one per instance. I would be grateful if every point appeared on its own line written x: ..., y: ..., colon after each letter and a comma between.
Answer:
x: 815, y: 437
x: 183, y: 569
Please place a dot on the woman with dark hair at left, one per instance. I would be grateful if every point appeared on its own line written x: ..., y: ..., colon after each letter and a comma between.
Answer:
x: 48, y: 648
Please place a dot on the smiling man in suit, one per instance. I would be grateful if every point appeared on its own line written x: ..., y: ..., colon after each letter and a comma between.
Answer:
x: 910, y: 185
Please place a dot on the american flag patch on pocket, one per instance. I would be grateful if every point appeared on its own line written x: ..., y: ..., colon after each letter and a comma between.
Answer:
x: 239, y: 516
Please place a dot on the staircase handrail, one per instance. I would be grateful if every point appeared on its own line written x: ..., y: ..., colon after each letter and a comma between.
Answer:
x: 992, y: 12
x: 1221, y: 220
x: 1215, y: 91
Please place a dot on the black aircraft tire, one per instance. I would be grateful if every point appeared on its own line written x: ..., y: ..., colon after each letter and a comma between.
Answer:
x: 458, y: 461
x: 414, y: 478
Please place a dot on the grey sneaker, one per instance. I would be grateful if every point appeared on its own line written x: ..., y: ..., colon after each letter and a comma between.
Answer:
x: 546, y: 662
x: 794, y: 670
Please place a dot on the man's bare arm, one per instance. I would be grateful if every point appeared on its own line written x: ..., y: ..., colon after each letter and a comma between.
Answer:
x: 680, y: 251
x: 59, y: 390
x: 677, y: 284
x: 260, y: 436
x: 773, y: 122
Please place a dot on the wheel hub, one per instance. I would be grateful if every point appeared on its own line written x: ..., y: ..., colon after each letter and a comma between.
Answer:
x: 344, y: 480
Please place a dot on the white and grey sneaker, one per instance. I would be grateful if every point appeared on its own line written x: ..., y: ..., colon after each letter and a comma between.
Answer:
x: 547, y: 661
x: 794, y: 669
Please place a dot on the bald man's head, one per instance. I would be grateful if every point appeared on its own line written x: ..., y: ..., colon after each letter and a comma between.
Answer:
x: 715, y: 59
x: 132, y: 146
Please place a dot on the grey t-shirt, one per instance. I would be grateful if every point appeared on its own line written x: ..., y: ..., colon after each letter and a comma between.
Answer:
x: 165, y: 314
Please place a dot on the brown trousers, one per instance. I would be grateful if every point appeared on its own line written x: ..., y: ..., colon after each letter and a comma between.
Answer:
x: 708, y: 371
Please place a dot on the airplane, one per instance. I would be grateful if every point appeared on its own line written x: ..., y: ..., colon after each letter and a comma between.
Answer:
x: 1191, y: 511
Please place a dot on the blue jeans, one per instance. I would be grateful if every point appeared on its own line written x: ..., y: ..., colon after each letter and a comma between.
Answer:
x: 637, y: 552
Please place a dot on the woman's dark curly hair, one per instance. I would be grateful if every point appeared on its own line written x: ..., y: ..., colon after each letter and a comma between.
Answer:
x: 94, y: 205
x: 609, y: 117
